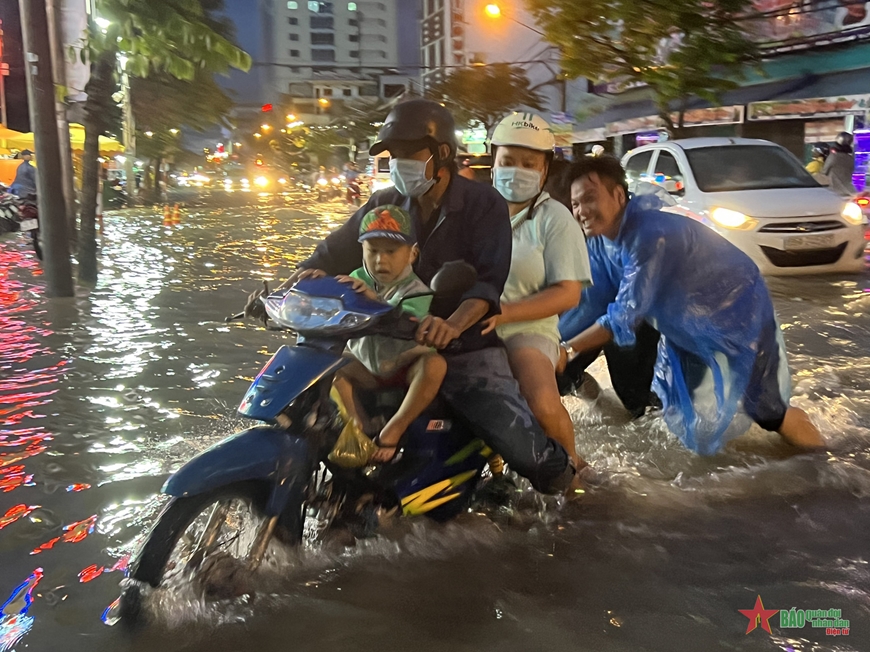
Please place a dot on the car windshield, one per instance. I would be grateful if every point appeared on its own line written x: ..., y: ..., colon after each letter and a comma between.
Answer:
x: 747, y: 167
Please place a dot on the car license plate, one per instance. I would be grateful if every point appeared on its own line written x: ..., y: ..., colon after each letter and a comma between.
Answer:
x: 823, y: 241
x: 29, y: 225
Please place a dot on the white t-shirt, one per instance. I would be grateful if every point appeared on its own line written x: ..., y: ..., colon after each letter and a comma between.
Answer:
x: 547, y: 249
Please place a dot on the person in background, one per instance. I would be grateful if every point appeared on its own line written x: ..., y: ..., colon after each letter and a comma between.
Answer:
x: 817, y: 162
x: 722, y: 357
x: 840, y: 165
x: 466, y: 171
x: 25, y: 176
x: 549, y: 267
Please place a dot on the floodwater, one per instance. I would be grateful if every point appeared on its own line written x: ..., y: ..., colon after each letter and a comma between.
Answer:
x: 102, y: 396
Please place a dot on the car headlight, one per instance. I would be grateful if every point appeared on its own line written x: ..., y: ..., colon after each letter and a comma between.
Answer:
x: 301, y: 312
x: 261, y: 181
x: 282, y: 181
x: 322, y: 182
x: 729, y: 219
x: 853, y: 214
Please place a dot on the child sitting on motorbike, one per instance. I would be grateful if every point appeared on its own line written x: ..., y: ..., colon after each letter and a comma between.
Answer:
x: 389, y: 250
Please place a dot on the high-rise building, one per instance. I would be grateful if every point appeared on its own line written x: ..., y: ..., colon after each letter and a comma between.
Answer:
x: 317, y: 53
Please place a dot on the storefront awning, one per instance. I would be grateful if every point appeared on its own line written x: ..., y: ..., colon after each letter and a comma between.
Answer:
x: 849, y: 82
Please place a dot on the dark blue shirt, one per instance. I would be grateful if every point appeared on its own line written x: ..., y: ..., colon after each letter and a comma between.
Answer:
x: 25, y: 180
x: 472, y: 224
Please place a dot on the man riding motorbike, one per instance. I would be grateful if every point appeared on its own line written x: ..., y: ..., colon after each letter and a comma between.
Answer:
x: 453, y: 218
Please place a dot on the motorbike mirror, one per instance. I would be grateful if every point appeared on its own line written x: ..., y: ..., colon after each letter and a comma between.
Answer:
x: 453, y: 279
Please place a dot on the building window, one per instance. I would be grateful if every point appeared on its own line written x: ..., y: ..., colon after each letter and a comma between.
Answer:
x: 353, y: 22
x: 380, y: 22
x: 293, y: 21
x: 294, y: 53
x: 322, y: 39
x: 322, y: 22
x: 346, y: 92
x: 322, y: 55
x: 351, y: 6
x: 320, y: 7
x: 383, y: 54
x: 327, y: 92
x: 292, y: 5
x: 354, y: 54
x: 294, y: 37
x: 353, y: 38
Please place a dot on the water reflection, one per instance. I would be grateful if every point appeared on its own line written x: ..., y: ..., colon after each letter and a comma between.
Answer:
x: 103, y: 396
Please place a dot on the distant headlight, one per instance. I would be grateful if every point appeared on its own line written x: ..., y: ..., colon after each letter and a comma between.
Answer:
x: 261, y: 181
x: 322, y: 182
x: 853, y: 214
x: 729, y: 219
x: 282, y: 181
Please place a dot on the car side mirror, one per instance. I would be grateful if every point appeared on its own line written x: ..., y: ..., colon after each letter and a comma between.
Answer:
x: 453, y: 279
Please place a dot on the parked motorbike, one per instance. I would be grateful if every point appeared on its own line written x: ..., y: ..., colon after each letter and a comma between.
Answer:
x: 277, y: 478
x: 20, y: 214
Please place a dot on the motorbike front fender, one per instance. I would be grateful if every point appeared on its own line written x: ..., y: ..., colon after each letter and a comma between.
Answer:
x: 275, y: 455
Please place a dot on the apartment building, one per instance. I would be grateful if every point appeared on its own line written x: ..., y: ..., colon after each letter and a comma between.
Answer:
x: 320, y: 53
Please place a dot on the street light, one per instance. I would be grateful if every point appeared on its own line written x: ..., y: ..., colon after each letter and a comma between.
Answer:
x: 291, y: 117
x: 494, y: 11
x: 265, y: 127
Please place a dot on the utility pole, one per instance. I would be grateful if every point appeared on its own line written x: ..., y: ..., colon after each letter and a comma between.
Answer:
x: 40, y: 91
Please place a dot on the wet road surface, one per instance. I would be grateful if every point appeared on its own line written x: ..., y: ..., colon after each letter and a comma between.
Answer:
x: 104, y: 395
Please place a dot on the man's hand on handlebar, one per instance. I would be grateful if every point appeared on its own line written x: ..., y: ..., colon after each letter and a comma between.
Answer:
x: 436, y: 332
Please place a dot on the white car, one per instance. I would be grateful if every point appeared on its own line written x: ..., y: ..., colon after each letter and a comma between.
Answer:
x: 760, y: 198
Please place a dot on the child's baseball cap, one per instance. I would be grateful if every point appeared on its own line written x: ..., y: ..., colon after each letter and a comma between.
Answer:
x: 387, y: 221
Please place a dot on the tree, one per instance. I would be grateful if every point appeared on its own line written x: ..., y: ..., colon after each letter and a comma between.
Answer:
x: 481, y: 95
x: 163, y: 104
x: 678, y: 48
x: 177, y: 37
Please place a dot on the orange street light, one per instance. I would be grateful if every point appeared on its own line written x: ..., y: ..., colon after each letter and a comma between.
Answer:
x: 291, y: 117
x: 492, y: 10
x: 258, y: 135
x: 323, y: 101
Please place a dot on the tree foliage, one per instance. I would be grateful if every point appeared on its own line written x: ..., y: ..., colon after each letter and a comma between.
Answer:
x: 481, y: 95
x: 678, y: 48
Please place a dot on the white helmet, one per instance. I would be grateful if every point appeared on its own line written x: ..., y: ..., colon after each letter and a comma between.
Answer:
x: 524, y: 130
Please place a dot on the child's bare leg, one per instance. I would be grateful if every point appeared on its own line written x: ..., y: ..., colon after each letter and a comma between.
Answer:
x: 798, y: 430
x: 425, y: 376
x: 346, y: 379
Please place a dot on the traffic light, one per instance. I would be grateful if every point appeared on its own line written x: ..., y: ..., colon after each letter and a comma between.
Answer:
x: 12, y: 58
x: 267, y: 108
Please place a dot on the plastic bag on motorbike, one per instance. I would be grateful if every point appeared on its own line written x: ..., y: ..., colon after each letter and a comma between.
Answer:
x: 353, y: 448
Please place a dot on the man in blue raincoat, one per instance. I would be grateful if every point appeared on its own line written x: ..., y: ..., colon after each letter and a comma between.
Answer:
x: 721, y: 356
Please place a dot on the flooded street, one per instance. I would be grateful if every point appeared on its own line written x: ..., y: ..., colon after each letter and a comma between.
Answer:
x: 104, y: 395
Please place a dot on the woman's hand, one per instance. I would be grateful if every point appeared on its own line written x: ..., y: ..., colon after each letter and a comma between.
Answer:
x: 489, y: 325
x: 504, y: 317
x: 359, y: 286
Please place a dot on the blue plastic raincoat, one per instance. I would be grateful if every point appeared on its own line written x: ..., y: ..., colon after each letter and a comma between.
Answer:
x: 721, y: 360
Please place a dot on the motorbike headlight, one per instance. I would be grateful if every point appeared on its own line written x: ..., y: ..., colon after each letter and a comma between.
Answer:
x: 729, y: 219
x: 301, y: 312
x: 262, y: 182
x: 322, y: 182
x: 853, y: 214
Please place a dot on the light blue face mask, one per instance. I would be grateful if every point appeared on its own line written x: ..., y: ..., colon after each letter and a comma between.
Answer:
x: 517, y: 185
x: 409, y: 176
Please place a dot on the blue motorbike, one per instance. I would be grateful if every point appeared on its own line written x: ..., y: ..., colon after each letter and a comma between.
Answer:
x: 275, y: 480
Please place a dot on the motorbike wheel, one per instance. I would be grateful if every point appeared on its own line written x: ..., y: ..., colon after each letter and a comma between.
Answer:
x: 172, y: 550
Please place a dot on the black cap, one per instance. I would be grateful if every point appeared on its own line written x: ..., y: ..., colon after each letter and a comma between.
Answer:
x: 25, y: 152
x: 417, y: 120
